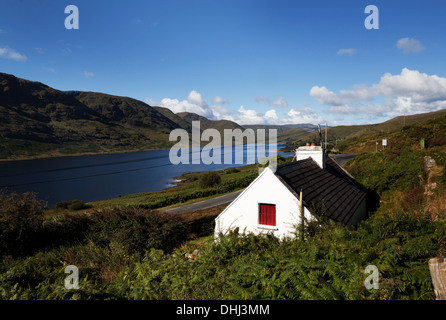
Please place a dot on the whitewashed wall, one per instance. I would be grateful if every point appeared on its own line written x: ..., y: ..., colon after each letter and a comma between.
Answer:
x: 243, y: 212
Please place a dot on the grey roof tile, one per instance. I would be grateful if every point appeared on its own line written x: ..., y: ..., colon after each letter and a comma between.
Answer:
x: 332, y: 187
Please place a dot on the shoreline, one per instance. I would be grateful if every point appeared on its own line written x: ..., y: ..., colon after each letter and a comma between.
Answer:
x: 41, y: 157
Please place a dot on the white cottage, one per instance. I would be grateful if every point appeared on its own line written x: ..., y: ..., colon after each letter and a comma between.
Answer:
x: 271, y: 203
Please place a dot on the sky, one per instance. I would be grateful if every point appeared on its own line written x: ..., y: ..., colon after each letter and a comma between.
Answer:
x: 253, y: 62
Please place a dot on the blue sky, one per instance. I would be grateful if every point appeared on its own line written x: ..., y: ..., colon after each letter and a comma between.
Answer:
x: 271, y: 62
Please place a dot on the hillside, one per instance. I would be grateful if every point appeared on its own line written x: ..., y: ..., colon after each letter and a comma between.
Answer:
x: 286, y: 133
x: 205, y: 123
x: 430, y: 127
x: 343, y: 138
x: 138, y: 254
x: 38, y: 120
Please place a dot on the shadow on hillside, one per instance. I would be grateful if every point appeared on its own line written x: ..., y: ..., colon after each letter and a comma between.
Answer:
x: 372, y: 201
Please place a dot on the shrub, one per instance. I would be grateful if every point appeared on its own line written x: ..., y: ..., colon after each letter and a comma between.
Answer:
x: 72, y: 205
x: 210, y: 179
x: 413, y: 200
x: 137, y: 230
x: 21, y: 221
x: 231, y: 170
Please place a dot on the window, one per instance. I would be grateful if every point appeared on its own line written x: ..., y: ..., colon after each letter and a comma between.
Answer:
x: 267, y: 214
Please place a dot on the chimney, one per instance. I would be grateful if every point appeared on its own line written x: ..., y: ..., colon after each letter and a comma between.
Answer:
x: 314, y: 152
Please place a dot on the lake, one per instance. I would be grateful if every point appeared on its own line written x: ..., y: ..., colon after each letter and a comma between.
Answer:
x: 104, y: 176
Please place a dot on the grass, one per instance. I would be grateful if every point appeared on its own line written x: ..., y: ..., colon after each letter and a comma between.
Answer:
x: 188, y: 188
x: 134, y: 253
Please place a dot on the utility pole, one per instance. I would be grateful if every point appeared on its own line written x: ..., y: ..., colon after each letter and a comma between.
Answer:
x: 302, y: 216
x: 325, y: 135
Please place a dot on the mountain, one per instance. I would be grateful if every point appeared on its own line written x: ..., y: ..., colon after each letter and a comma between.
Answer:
x: 205, y: 123
x: 174, y: 117
x: 37, y: 120
x: 350, y: 138
x: 403, y: 134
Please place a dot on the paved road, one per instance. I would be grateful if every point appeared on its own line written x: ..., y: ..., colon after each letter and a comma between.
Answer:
x: 205, y: 204
x: 341, y: 159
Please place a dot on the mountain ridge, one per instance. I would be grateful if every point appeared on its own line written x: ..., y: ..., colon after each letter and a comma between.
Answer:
x: 40, y: 121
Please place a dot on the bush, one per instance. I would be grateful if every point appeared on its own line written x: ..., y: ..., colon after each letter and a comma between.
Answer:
x: 137, y: 230
x: 72, y: 205
x: 231, y: 170
x: 210, y: 179
x: 21, y: 221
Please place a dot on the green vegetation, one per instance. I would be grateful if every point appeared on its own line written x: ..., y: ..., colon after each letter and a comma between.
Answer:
x: 126, y: 250
x: 72, y: 205
x: 135, y: 253
x: 191, y: 188
x: 210, y: 179
x: 363, y: 138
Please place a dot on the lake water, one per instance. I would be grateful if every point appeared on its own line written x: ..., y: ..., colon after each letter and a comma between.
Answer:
x: 104, y: 176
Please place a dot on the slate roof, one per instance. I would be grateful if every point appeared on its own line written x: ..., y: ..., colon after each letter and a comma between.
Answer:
x: 331, y: 188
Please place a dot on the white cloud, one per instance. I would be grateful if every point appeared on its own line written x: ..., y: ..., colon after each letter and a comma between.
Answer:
x: 306, y: 115
x: 409, y: 92
x: 196, y: 98
x: 420, y: 86
x: 325, y: 96
x: 348, y: 51
x: 249, y: 116
x: 11, y: 54
x: 88, y: 74
x: 2, y: 31
x: 293, y: 116
x: 358, y: 92
x: 221, y: 113
x: 194, y: 103
x: 271, y: 117
x: 280, y: 101
x: 410, y: 45
x: 219, y: 100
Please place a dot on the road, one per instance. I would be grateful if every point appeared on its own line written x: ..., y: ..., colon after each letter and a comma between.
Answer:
x: 341, y: 159
x: 205, y: 204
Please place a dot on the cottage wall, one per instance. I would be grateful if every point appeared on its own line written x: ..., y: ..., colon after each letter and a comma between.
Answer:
x: 243, y: 212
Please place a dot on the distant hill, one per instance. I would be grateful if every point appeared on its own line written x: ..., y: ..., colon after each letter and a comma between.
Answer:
x: 339, y: 137
x: 286, y: 133
x: 428, y: 126
x: 205, y: 123
x: 174, y: 117
x: 37, y: 120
